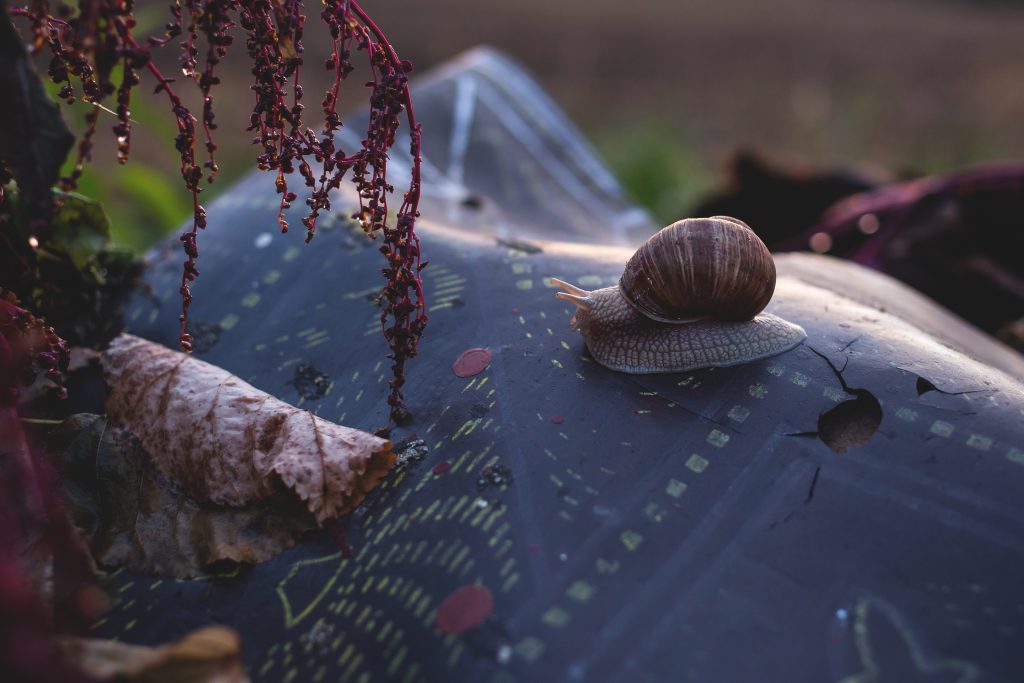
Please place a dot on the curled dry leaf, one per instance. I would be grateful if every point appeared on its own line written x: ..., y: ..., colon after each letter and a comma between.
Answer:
x: 135, y: 517
x: 226, y: 442
x: 208, y: 655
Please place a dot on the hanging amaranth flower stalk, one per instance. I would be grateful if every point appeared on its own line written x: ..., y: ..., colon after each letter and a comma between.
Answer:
x: 87, y: 41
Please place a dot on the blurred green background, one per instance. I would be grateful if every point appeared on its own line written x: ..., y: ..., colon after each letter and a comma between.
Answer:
x: 666, y: 90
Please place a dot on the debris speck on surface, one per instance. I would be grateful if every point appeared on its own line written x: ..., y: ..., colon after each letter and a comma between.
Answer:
x: 318, y: 637
x: 411, y: 452
x: 338, y: 531
x: 494, y: 476
x: 204, y: 335
x: 310, y: 382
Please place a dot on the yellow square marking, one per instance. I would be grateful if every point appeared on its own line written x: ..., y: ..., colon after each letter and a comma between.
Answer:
x: 654, y: 512
x: 717, y: 438
x: 631, y: 540
x: 251, y: 299
x: 555, y: 617
x: 739, y: 413
x: 1016, y: 455
x: 906, y: 414
x: 229, y: 321
x: 580, y: 591
x: 943, y: 429
x: 832, y: 394
x: 524, y: 284
x: 758, y: 390
x: 675, y: 488
x: 697, y: 463
x: 981, y: 443
x: 530, y: 648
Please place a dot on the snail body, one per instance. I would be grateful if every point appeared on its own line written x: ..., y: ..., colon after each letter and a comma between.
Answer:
x: 691, y: 297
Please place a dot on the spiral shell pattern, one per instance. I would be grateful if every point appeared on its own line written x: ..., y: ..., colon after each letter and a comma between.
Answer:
x: 700, y: 267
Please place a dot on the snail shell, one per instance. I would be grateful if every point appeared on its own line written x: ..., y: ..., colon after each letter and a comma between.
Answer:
x: 691, y: 297
x: 700, y: 267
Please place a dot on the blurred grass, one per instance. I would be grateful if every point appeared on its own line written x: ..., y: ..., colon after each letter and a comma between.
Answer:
x: 657, y: 169
x: 666, y: 92
x: 143, y: 202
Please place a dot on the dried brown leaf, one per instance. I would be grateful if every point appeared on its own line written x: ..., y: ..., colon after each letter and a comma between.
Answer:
x: 137, y: 518
x: 226, y: 442
x: 208, y: 655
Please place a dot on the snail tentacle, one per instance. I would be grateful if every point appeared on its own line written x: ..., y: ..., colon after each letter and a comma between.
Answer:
x: 578, y: 301
x: 570, y: 288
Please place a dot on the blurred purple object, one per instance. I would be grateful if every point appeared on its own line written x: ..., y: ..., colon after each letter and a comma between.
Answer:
x: 956, y: 237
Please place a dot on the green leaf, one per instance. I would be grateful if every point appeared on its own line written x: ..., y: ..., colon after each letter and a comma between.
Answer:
x: 79, y: 229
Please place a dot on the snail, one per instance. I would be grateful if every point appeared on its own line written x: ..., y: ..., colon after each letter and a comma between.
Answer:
x: 691, y: 297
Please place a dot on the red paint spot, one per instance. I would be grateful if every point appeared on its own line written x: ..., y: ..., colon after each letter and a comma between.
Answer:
x: 515, y: 311
x: 472, y: 362
x: 464, y: 609
x: 557, y: 420
x: 533, y: 548
x: 441, y: 467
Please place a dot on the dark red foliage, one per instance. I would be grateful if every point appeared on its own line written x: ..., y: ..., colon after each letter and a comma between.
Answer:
x: 33, y: 526
x: 88, y: 41
x: 28, y: 347
x: 27, y: 651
